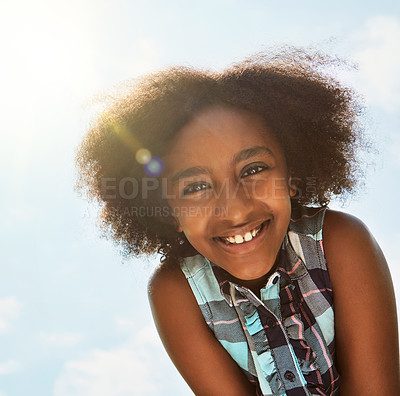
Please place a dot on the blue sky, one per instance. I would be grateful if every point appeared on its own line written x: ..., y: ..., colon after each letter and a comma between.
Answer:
x: 74, y: 317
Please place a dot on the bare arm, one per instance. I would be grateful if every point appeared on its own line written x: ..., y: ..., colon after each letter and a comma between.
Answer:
x: 202, y: 361
x: 367, y: 347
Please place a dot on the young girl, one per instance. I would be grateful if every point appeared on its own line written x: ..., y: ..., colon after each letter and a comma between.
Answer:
x: 256, y: 294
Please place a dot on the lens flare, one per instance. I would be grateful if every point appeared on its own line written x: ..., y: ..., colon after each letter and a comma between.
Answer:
x: 143, y: 156
x: 154, y: 167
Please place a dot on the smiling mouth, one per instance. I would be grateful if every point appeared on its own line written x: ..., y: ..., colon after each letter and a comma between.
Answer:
x: 238, y: 239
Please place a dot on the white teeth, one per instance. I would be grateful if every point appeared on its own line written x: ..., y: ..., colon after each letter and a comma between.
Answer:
x: 238, y: 239
x: 248, y: 236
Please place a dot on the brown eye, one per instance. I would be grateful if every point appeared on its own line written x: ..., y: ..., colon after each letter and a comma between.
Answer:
x: 254, y: 169
x: 195, y: 187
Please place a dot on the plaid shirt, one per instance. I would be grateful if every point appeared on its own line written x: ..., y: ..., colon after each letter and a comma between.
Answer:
x: 283, y: 341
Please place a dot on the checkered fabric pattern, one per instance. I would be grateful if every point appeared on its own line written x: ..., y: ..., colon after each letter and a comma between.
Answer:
x: 283, y: 341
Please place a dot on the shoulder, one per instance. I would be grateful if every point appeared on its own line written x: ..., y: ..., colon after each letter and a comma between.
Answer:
x: 353, y: 256
x: 365, y: 309
x: 200, y: 358
x: 168, y: 283
x: 166, y: 272
x: 175, y: 312
x: 351, y: 249
x: 336, y: 223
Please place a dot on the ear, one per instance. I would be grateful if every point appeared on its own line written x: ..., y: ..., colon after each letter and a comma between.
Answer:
x: 293, y: 184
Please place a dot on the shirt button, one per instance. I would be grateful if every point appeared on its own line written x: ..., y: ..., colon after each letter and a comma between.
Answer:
x: 290, y: 376
x: 270, y: 322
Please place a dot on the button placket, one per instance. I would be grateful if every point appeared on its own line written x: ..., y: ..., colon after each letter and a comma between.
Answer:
x: 283, y: 355
x: 285, y: 360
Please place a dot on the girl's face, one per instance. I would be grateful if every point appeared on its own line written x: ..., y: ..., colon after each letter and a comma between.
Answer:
x: 229, y: 190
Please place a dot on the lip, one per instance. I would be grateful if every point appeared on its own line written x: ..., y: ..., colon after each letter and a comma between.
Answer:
x: 245, y: 247
x: 241, y: 231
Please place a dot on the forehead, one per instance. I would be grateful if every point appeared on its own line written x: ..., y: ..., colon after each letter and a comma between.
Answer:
x: 223, y: 131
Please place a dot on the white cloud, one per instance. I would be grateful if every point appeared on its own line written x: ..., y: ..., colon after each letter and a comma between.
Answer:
x: 114, y: 372
x: 9, y: 311
x: 9, y: 367
x: 146, y: 336
x: 126, y: 324
x: 61, y: 339
x: 379, y: 61
x: 133, y: 368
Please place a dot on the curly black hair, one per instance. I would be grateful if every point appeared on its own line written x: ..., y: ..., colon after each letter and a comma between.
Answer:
x: 315, y: 119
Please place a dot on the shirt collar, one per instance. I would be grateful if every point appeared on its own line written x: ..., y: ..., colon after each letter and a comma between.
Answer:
x: 289, y: 266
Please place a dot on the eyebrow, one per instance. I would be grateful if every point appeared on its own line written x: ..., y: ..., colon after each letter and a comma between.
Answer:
x: 251, y: 152
x: 240, y: 156
x: 190, y: 172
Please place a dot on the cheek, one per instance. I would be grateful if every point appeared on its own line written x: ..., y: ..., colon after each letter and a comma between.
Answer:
x: 271, y: 189
x: 192, y: 220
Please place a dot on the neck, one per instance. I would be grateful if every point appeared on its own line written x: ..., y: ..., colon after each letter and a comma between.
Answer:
x: 255, y: 285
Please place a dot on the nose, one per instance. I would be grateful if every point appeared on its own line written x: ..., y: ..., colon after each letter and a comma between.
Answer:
x: 234, y: 204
